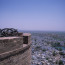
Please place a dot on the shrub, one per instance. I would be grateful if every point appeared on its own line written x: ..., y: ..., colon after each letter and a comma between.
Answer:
x: 35, y: 40
x: 35, y: 43
x: 61, y: 53
x: 47, y: 58
x: 56, y: 44
x: 54, y: 53
x: 56, y: 62
x: 60, y: 49
x: 56, y: 48
x: 37, y: 48
x: 61, y: 62
x: 44, y: 50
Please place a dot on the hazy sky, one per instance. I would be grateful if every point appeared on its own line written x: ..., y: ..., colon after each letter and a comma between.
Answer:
x: 48, y: 15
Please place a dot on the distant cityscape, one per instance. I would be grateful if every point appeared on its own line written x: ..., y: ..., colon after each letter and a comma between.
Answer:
x: 48, y: 48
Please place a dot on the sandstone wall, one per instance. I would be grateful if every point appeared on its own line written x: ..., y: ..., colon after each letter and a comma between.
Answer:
x: 17, y: 56
x: 10, y: 43
x: 21, y: 56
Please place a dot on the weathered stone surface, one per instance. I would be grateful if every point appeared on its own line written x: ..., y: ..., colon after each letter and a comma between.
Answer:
x: 14, y: 52
x: 18, y: 59
x: 10, y: 43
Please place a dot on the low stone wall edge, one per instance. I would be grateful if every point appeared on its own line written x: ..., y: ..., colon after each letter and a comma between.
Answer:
x: 6, y: 55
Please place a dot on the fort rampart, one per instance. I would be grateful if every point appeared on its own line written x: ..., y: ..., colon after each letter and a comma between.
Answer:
x: 15, y: 50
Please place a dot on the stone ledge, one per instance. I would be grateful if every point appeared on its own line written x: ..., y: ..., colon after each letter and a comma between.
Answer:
x: 4, y: 38
x: 26, y: 34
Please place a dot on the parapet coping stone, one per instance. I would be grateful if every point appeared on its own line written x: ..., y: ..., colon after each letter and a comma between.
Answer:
x: 4, y: 38
x: 26, y: 34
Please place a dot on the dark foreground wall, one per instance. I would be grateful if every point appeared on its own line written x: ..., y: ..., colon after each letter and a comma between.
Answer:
x: 19, y: 56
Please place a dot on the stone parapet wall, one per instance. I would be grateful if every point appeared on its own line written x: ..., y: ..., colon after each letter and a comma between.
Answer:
x: 10, y: 43
x: 21, y: 55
